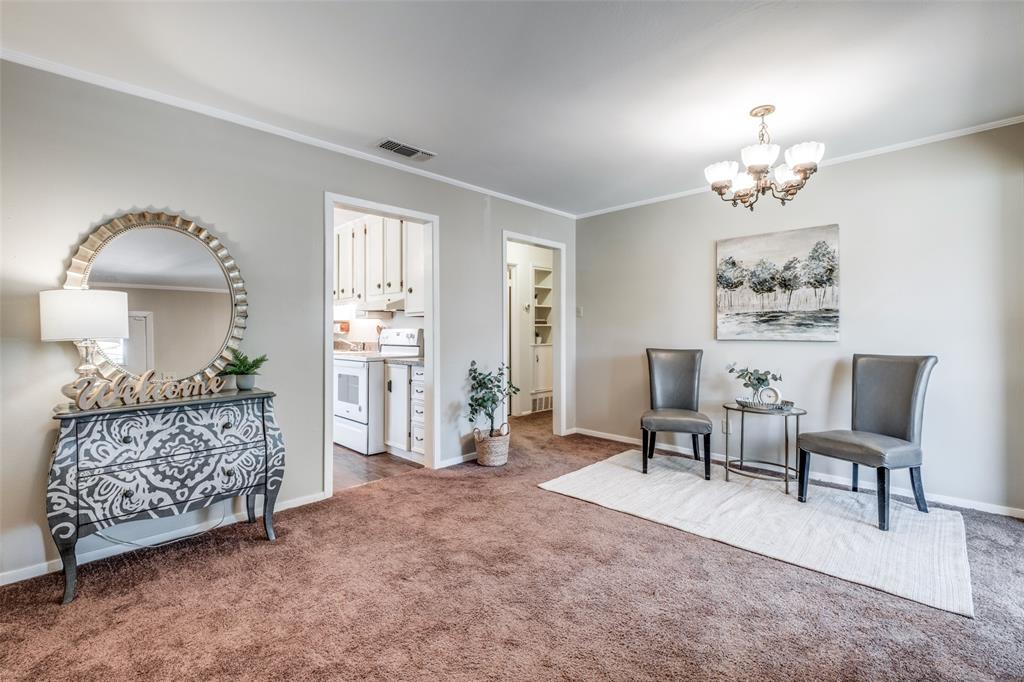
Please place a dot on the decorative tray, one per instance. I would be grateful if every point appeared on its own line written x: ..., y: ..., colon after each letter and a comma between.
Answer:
x: 783, y: 406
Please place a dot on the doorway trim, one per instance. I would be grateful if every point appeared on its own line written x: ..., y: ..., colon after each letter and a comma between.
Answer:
x: 431, y: 324
x: 560, y: 379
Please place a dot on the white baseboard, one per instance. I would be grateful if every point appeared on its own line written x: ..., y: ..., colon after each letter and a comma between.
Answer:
x: 54, y: 565
x: 462, y: 459
x: 826, y: 478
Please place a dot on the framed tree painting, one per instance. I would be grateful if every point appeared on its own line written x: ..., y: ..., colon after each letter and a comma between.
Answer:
x: 781, y: 286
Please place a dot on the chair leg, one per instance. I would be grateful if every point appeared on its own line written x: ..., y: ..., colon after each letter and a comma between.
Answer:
x: 803, y: 471
x: 643, y: 453
x: 654, y: 438
x: 856, y: 477
x: 915, y: 483
x: 883, y: 498
x: 695, y: 439
x: 707, y: 456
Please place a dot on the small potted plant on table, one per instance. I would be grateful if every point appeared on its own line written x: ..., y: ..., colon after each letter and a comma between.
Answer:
x: 244, y: 369
x: 487, y: 393
x: 759, y: 383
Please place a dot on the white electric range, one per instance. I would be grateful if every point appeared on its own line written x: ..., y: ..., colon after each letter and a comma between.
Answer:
x: 359, y: 389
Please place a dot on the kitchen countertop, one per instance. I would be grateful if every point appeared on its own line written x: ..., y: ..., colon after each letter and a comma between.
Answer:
x: 412, y: 362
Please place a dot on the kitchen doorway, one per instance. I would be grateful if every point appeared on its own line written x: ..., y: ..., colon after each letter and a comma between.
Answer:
x: 380, y: 340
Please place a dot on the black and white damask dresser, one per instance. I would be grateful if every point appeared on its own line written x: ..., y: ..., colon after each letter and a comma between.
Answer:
x: 127, y: 463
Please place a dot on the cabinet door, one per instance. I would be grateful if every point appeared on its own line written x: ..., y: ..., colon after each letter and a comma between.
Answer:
x: 374, y: 260
x: 343, y: 263
x: 396, y: 406
x: 392, y: 256
x: 415, y: 234
x: 542, y: 368
x: 359, y: 261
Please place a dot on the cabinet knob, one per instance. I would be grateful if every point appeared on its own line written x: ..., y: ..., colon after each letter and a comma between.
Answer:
x: 378, y: 285
x: 389, y: 285
x: 225, y: 426
x: 410, y: 290
x: 127, y: 440
x: 228, y: 472
x: 342, y: 291
x: 359, y: 295
x: 128, y: 494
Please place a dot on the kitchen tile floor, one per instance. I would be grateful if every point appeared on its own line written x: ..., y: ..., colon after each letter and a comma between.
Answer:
x: 352, y: 469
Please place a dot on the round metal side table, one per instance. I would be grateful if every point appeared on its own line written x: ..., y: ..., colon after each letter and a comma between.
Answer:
x: 738, y: 468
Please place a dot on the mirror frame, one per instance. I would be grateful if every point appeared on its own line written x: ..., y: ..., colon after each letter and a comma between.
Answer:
x: 77, y: 277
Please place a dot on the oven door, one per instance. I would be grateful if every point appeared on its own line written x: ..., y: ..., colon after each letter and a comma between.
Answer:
x: 350, y: 390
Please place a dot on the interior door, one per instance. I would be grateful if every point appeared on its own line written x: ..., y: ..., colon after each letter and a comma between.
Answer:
x: 374, y: 259
x: 392, y: 256
x: 351, y: 392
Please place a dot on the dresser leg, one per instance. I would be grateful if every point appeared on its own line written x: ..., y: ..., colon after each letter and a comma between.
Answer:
x: 268, y: 514
x: 250, y: 506
x: 67, y: 557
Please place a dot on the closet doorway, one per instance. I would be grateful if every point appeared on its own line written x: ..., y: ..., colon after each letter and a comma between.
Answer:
x: 533, y: 295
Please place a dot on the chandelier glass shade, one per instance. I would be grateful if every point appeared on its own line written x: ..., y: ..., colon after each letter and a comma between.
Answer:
x: 759, y: 178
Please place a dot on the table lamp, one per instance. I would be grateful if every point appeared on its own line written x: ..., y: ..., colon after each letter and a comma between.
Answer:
x: 82, y: 316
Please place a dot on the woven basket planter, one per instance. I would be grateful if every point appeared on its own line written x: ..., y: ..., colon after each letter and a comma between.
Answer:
x: 492, y: 451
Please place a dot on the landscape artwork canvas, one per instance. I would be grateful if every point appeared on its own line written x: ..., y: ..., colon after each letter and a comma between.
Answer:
x: 781, y: 286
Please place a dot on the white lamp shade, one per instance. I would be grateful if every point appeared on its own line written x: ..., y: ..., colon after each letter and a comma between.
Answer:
x: 743, y: 183
x: 760, y: 156
x: 784, y: 175
x: 805, y: 154
x: 721, y: 173
x: 76, y: 314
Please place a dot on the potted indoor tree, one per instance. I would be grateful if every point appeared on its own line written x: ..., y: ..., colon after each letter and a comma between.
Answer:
x: 244, y: 369
x: 487, y: 394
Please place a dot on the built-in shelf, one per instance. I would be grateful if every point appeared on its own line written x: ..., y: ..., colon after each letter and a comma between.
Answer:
x: 542, y: 306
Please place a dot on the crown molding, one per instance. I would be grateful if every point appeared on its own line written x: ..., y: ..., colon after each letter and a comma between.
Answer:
x: 1002, y: 123
x: 178, y: 102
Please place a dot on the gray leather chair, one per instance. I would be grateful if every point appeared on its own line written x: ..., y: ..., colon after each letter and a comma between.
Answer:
x: 888, y: 412
x: 675, y: 394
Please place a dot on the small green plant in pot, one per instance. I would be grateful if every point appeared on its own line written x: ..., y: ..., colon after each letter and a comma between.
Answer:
x: 487, y: 393
x: 244, y: 369
x: 757, y: 380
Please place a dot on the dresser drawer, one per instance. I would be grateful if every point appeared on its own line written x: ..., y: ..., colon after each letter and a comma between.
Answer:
x: 419, y: 374
x: 128, y: 490
x: 148, y: 435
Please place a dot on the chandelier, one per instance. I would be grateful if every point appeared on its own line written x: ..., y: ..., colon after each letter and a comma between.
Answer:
x: 759, y: 178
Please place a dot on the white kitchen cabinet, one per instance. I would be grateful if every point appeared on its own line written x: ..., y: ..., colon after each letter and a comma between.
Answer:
x: 392, y: 256
x: 374, y: 261
x: 359, y: 260
x: 396, y: 406
x: 343, y: 276
x: 542, y: 366
x: 413, y: 262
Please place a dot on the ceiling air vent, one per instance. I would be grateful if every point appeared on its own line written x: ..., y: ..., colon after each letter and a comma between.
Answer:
x: 405, y: 150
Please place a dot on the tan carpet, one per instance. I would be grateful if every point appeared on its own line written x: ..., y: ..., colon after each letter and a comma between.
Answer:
x: 478, y: 574
x: 921, y: 557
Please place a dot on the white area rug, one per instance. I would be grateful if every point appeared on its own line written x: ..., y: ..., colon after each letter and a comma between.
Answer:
x: 922, y: 557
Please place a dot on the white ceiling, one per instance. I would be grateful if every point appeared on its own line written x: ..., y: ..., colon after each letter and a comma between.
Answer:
x: 575, y: 106
x: 157, y: 257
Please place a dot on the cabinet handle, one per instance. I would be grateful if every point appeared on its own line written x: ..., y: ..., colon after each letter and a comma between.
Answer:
x: 225, y: 426
x: 389, y: 385
x: 128, y: 494
x: 410, y: 290
x: 127, y: 440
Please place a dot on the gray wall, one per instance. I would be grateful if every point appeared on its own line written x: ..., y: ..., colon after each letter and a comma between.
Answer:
x: 931, y: 243
x: 74, y: 155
